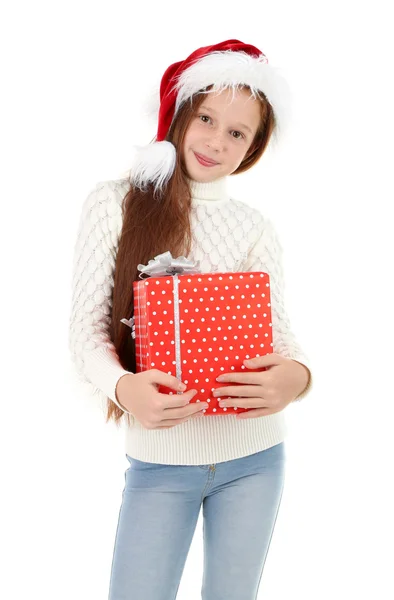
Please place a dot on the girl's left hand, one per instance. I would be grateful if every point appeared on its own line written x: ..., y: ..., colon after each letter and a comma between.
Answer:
x: 266, y: 391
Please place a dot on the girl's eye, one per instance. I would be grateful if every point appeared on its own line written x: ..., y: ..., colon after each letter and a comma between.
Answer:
x: 240, y: 135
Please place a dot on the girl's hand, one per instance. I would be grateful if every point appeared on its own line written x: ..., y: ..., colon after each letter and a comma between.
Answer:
x: 267, y: 391
x: 138, y: 394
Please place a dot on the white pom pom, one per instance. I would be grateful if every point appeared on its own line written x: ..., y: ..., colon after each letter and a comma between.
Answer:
x: 154, y: 163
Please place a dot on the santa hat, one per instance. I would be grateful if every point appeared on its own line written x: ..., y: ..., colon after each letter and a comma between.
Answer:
x: 224, y: 65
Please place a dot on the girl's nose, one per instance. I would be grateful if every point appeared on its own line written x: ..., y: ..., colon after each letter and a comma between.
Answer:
x: 216, y: 141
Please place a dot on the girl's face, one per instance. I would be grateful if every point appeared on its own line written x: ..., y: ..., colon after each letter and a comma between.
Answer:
x: 222, y: 130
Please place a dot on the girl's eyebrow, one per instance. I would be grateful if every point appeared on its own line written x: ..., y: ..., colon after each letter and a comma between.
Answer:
x: 214, y: 111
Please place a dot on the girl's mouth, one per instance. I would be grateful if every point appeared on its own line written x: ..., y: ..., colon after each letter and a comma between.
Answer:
x: 204, y: 162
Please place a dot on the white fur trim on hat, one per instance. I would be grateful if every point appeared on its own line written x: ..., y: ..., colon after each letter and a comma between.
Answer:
x: 231, y: 69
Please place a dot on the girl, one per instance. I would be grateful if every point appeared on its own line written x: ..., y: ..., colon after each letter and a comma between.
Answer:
x: 219, y: 110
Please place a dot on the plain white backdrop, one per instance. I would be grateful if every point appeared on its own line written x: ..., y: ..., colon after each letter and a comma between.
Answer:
x: 75, y: 77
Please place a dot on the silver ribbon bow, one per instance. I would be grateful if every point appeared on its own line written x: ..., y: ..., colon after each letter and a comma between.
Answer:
x: 165, y: 264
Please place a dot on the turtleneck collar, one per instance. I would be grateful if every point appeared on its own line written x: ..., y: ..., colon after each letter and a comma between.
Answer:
x: 211, y: 192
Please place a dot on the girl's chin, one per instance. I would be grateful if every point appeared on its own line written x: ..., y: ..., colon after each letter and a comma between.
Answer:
x: 203, y: 177
x: 198, y: 171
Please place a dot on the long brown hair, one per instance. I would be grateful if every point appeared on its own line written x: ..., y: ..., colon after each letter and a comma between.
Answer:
x: 155, y: 222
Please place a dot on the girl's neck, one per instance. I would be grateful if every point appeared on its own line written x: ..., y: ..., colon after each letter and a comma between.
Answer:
x: 210, y: 192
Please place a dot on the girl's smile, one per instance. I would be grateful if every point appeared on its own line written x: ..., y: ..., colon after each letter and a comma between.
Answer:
x: 205, y: 161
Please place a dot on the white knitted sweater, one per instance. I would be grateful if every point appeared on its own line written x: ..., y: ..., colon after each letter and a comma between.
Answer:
x: 228, y: 236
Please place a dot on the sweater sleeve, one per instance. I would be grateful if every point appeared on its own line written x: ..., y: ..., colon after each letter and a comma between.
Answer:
x: 267, y: 255
x: 93, y: 354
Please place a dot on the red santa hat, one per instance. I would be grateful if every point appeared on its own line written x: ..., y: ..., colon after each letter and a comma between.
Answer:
x: 224, y: 65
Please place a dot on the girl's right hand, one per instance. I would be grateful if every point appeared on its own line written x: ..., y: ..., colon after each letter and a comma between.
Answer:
x: 137, y: 393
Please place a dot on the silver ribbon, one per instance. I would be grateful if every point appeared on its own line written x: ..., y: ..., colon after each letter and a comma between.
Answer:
x: 130, y: 323
x: 162, y: 265
x: 165, y: 264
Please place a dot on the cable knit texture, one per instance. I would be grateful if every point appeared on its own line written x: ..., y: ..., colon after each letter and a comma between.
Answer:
x: 228, y: 235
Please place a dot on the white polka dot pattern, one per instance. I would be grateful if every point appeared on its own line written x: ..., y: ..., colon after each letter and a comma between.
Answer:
x: 223, y: 319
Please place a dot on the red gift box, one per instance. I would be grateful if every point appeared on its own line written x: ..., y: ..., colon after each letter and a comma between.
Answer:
x: 197, y: 326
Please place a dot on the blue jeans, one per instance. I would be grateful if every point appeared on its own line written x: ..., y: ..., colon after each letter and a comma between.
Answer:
x: 159, y: 513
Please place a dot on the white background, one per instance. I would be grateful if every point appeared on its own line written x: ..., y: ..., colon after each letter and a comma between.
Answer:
x: 74, y: 79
